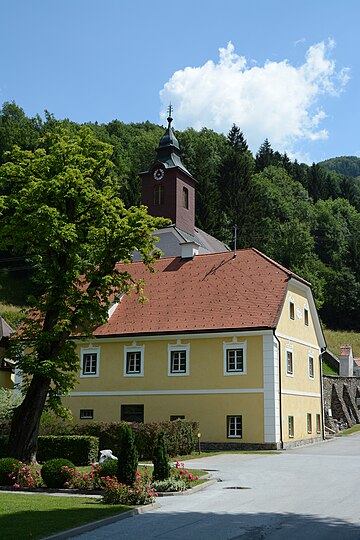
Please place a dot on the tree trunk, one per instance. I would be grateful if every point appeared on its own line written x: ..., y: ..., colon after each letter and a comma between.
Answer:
x: 25, y: 425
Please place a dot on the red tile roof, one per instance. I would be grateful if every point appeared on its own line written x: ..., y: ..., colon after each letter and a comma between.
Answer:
x: 210, y: 292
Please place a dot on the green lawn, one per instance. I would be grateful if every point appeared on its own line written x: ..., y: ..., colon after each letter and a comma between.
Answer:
x: 334, y: 339
x: 209, y: 454
x: 37, y: 516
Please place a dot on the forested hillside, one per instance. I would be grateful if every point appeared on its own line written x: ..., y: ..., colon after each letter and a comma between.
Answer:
x: 348, y: 165
x: 304, y: 217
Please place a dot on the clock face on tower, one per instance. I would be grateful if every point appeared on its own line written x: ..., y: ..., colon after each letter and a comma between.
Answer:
x: 158, y: 174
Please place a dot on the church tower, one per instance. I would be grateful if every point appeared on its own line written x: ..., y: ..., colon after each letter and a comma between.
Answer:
x: 168, y: 189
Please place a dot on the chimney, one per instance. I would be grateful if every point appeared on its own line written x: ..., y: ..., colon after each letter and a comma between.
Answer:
x: 189, y: 250
x: 346, y: 359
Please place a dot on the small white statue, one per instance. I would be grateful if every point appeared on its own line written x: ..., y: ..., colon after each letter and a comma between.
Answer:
x: 106, y: 455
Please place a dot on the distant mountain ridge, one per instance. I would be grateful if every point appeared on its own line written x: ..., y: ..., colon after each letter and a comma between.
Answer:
x: 348, y: 165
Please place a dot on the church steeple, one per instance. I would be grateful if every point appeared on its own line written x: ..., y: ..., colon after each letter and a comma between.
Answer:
x: 168, y: 189
x: 168, y: 151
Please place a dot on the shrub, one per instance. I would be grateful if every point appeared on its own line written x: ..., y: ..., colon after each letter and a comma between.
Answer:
x: 81, y: 450
x: 180, y: 473
x: 6, y: 470
x: 86, y: 481
x: 179, y: 435
x: 109, y: 434
x: 161, y: 459
x: 128, y: 458
x: 170, y: 484
x: 24, y: 476
x: 109, y: 468
x: 140, y: 492
x: 52, y: 424
x: 56, y: 472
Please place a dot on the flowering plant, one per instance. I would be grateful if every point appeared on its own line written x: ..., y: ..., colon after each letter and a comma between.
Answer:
x: 180, y: 480
x: 90, y: 481
x: 25, y: 476
x: 139, y: 493
x: 180, y: 473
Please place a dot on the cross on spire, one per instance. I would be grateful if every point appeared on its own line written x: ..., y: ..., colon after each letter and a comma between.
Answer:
x: 170, y: 111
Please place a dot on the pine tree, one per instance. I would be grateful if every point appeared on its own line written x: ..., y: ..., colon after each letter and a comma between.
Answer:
x: 236, y: 187
x: 128, y: 458
x: 237, y: 140
x: 161, y: 459
x: 264, y: 156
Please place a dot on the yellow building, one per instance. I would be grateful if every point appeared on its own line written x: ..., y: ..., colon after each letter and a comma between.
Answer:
x: 232, y: 342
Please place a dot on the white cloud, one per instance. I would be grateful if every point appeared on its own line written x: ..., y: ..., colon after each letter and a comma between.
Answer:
x: 278, y: 101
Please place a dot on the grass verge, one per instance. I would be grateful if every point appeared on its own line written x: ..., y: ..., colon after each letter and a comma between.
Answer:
x: 349, y: 431
x: 210, y: 454
x: 37, y: 516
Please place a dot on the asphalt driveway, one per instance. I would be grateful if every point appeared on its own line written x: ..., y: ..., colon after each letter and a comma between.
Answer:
x: 305, y: 493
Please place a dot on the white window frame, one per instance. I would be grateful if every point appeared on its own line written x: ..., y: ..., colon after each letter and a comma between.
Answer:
x: 134, y: 349
x: 89, y: 350
x: 318, y: 423
x: 291, y: 426
x: 292, y: 303
x: 230, y: 346
x: 306, y: 316
x: 178, y: 347
x: 311, y: 357
x: 288, y: 373
x: 309, y: 423
x: 228, y: 420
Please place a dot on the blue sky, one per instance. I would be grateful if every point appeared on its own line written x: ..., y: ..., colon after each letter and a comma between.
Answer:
x: 288, y: 70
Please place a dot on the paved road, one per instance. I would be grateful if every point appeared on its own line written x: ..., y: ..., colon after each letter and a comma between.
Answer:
x: 310, y: 493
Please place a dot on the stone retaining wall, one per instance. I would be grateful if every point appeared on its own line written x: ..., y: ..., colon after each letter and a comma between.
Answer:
x: 340, y: 395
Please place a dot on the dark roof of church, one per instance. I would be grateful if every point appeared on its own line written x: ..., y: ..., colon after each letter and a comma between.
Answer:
x: 168, y: 152
x: 205, y: 240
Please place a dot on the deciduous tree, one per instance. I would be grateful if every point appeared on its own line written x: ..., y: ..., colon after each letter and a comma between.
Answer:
x: 63, y: 211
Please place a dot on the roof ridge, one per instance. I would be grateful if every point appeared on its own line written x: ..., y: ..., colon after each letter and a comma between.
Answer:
x: 281, y: 267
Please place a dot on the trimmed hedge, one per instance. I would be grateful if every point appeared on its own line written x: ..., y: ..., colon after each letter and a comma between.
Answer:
x: 109, y: 434
x: 180, y: 436
x: 81, y: 450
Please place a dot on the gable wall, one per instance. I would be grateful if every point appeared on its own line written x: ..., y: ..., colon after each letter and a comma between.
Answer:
x: 301, y: 394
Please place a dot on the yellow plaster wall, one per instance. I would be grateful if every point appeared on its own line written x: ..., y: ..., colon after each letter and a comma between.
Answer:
x: 206, y: 373
x: 210, y: 411
x: 298, y: 407
x: 303, y: 342
x: 296, y: 328
x: 206, y: 366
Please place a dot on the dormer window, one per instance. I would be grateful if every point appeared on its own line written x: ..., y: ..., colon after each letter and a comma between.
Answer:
x: 159, y: 194
x: 185, y: 198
